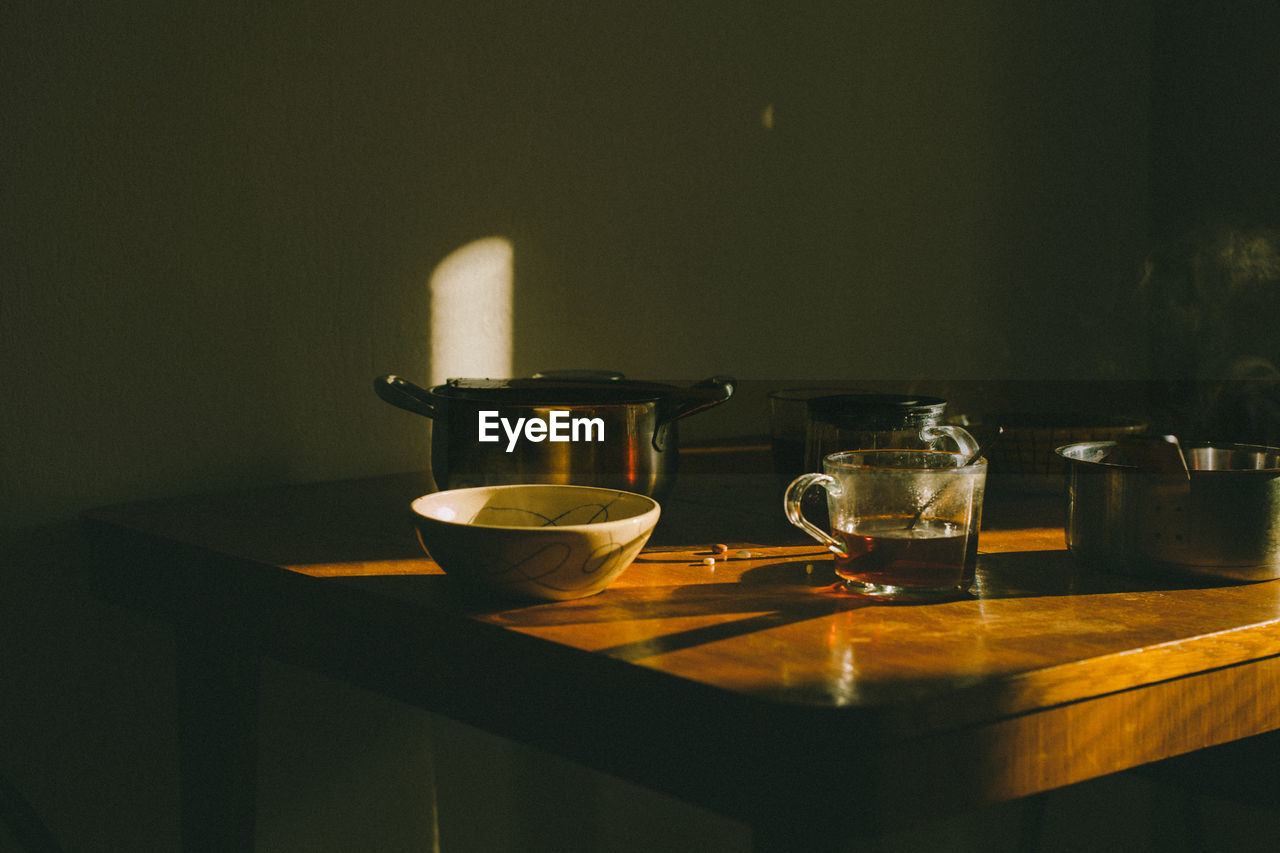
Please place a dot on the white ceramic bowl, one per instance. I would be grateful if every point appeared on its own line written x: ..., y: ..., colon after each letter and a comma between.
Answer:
x: 539, y: 541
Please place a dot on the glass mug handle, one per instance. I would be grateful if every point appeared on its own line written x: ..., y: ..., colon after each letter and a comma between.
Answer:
x: 791, y: 503
x: 967, y: 443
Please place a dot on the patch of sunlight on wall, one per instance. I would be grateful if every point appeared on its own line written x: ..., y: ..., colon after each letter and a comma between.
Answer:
x: 471, y: 311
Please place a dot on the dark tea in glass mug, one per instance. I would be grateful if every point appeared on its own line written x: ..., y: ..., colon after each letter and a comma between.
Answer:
x: 903, y: 524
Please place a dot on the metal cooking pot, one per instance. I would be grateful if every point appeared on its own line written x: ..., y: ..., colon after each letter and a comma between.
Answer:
x: 609, y: 432
x: 1219, y: 518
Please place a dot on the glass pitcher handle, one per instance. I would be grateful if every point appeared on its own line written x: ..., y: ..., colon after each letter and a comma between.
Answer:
x: 967, y: 444
x: 791, y: 503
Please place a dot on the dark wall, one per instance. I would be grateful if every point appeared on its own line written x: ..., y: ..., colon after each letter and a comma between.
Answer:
x: 1215, y: 114
x: 1212, y: 288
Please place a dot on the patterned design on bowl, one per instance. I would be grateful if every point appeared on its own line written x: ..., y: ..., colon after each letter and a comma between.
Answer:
x: 537, y: 541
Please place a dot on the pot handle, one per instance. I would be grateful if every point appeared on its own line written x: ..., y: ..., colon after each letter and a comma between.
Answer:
x: 403, y: 394
x: 696, y: 398
x: 688, y: 401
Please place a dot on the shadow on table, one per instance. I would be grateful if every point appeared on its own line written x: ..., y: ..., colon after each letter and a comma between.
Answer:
x: 1023, y: 574
x: 787, y: 592
x: 765, y: 597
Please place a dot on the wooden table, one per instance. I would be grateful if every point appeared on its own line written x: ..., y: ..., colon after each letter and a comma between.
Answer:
x: 748, y: 686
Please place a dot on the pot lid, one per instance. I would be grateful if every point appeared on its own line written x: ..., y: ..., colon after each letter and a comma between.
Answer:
x: 552, y: 390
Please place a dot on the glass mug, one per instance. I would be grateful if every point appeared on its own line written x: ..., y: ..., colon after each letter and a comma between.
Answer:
x: 903, y: 522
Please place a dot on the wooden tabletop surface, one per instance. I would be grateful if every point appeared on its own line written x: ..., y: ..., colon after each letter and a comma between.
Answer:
x: 751, y: 684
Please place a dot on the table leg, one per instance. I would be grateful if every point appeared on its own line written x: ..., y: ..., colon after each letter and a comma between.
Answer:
x: 217, y: 703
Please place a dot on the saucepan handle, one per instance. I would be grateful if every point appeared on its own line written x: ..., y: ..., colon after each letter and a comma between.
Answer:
x: 697, y: 398
x: 403, y: 394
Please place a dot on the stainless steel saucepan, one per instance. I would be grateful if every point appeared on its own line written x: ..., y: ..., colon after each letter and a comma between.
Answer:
x: 1214, y: 513
x: 610, y: 432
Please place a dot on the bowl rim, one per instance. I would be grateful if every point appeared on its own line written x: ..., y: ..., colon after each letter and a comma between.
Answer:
x: 653, y: 508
